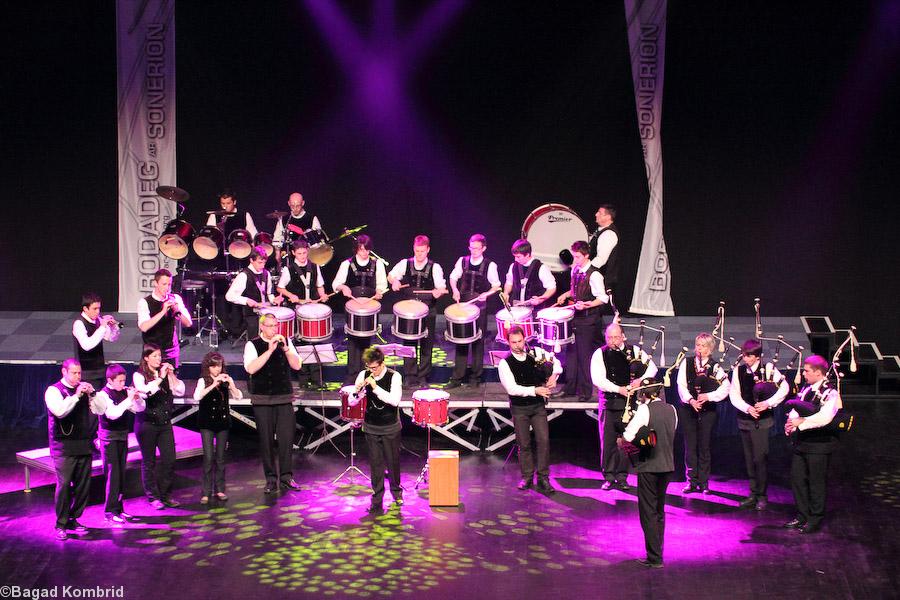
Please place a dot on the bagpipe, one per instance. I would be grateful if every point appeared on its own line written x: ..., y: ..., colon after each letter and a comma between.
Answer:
x: 645, y: 439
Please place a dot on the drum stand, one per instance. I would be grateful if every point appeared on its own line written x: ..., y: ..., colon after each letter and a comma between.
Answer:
x: 211, y: 321
x: 352, y: 470
x: 423, y: 475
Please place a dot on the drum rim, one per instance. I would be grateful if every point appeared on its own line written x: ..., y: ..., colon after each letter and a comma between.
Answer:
x: 300, y: 307
x: 363, y: 313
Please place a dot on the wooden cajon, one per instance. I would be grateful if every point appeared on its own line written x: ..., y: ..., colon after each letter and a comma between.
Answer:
x: 443, y: 477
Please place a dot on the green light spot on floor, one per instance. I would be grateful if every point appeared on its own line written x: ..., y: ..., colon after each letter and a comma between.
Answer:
x: 181, y: 555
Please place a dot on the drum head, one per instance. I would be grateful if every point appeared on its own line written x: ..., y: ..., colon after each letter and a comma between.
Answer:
x: 321, y: 255
x: 208, y: 242
x: 556, y: 313
x: 281, y: 313
x: 362, y: 307
x: 515, y: 314
x: 411, y: 309
x: 461, y: 313
x: 265, y: 240
x: 176, y: 239
x: 430, y: 395
x: 551, y: 228
x: 240, y: 243
x: 313, y: 311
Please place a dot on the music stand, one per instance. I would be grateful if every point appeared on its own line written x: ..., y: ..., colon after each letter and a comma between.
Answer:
x: 400, y: 351
x: 317, y: 354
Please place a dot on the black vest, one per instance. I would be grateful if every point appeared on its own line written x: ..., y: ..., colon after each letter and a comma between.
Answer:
x: 304, y: 222
x: 662, y: 421
x: 163, y: 333
x: 526, y: 373
x: 533, y: 285
x: 691, y: 377
x: 123, y: 423
x: 818, y: 440
x: 274, y: 378
x: 213, y: 413
x: 361, y: 279
x: 418, y: 280
x: 72, y: 434
x: 92, y: 360
x: 582, y: 291
x: 474, y: 280
x: 379, y: 413
x: 297, y: 273
x: 747, y: 380
x: 610, y: 270
x: 159, y: 407
x: 618, y: 370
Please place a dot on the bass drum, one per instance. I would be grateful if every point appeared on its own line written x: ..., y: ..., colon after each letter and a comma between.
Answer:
x: 552, y: 228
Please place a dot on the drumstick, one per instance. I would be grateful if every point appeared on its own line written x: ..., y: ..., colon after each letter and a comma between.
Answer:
x: 475, y: 299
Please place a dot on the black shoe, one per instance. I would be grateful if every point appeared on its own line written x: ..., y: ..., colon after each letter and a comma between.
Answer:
x: 114, y: 520
x: 171, y: 502
x: 290, y: 485
x: 809, y: 528
x: 398, y: 499
x: 376, y: 508
x: 61, y: 534
x: 650, y: 565
x: 621, y: 486
x: 704, y: 488
x: 270, y: 487
x: 607, y: 485
x: 690, y: 489
x: 748, y: 502
x: 794, y: 524
x: 762, y: 504
x: 526, y: 484
x: 543, y: 485
x: 453, y: 384
x: 76, y: 526
x: 126, y: 516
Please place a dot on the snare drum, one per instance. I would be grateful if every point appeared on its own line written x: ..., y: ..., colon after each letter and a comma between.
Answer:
x: 555, y: 325
x: 314, y: 322
x: 409, y: 320
x: 240, y: 243
x: 516, y: 315
x: 285, y: 317
x: 208, y: 242
x: 362, y: 317
x: 461, y: 323
x: 356, y: 413
x: 430, y: 407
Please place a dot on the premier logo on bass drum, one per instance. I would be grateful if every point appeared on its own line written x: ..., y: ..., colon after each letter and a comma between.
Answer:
x: 555, y: 219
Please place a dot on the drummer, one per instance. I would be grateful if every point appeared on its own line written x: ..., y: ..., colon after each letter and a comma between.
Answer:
x: 589, y: 294
x: 420, y: 274
x: 252, y: 289
x: 292, y: 226
x: 297, y: 282
x: 529, y: 282
x: 230, y: 216
x: 473, y: 278
x: 360, y: 277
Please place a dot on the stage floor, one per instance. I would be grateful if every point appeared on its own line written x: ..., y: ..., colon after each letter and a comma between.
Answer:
x: 499, y: 543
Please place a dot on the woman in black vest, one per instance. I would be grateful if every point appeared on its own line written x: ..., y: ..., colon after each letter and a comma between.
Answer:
x: 153, y: 426
x: 214, y: 388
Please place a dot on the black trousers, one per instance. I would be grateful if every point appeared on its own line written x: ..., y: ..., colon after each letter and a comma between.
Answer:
x: 475, y: 350
x: 698, y: 428
x: 809, y: 480
x: 271, y: 421
x: 73, y: 483
x: 214, y: 445
x: 613, y: 461
x: 384, y: 453
x: 411, y: 369
x: 525, y: 419
x: 251, y: 324
x: 756, y: 456
x: 652, y: 510
x: 115, y: 455
x: 355, y: 347
x: 309, y: 374
x: 588, y: 330
x: 157, y: 486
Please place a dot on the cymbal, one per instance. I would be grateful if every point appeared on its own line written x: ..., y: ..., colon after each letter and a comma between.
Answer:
x: 172, y: 193
x: 210, y: 275
x: 349, y: 232
x: 277, y: 214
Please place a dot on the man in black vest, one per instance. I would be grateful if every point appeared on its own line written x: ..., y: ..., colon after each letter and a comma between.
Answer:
x: 473, y: 278
x: 71, y: 424
x: 268, y: 360
x: 528, y: 383
x: 301, y: 282
x: 252, y: 288
x: 157, y: 316
x: 655, y: 472
x: 422, y: 279
x: 814, y: 443
x: 529, y: 282
x: 360, y: 276
x: 589, y: 294
x: 755, y: 416
x: 88, y: 332
x: 383, y: 391
x: 604, y: 244
x: 616, y: 369
x: 116, y: 420
x: 295, y: 225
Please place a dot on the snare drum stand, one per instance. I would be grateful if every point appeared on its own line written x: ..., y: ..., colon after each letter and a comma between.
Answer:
x: 423, y: 475
x: 212, y: 321
x: 352, y: 470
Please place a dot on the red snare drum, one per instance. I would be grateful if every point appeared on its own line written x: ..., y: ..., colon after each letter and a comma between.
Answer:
x: 285, y: 317
x: 430, y: 407
x: 314, y: 322
x: 357, y: 412
x: 516, y: 315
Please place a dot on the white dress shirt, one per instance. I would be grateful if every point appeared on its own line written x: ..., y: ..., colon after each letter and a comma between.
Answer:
x: 775, y: 375
x: 437, y: 273
x: 509, y: 381
x: 598, y: 368
x: 381, y: 283
x: 248, y: 222
x: 831, y: 402
x: 719, y: 394
x: 391, y: 397
x: 235, y: 293
x: 544, y: 275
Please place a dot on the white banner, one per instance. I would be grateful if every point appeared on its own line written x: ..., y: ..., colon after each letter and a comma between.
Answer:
x: 145, y: 34
x: 647, y: 41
